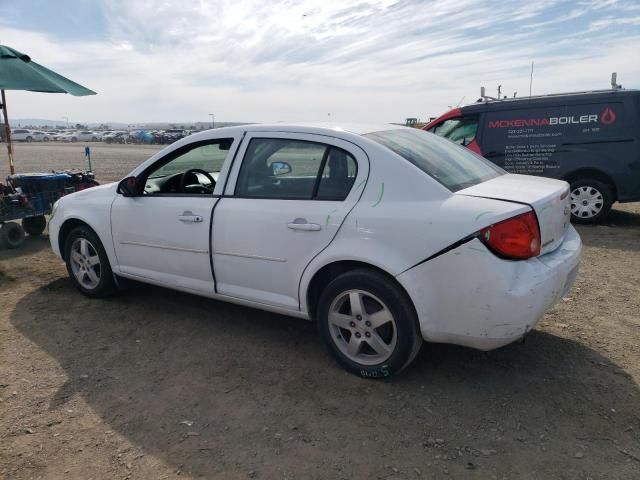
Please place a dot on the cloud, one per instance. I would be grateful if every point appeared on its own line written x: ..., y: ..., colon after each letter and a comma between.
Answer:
x: 290, y: 60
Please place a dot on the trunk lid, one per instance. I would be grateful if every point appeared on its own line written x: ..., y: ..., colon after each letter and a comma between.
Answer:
x: 548, y: 197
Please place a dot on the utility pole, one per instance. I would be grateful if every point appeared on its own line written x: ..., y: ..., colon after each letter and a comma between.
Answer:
x: 213, y: 120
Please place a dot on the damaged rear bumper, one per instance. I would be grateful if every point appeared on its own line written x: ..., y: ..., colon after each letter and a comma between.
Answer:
x: 470, y: 297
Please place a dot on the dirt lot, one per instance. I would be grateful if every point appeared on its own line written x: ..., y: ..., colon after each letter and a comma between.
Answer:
x: 157, y: 384
x: 110, y: 161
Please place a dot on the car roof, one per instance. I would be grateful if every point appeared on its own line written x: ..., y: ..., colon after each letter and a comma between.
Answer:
x: 317, y: 128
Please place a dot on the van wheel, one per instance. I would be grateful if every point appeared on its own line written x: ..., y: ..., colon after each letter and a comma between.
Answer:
x: 369, y: 324
x: 591, y: 201
x: 88, y: 264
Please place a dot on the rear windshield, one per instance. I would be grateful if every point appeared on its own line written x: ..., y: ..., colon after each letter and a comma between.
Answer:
x: 453, y: 166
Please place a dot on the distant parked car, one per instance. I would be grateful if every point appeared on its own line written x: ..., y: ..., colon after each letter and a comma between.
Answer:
x: 383, y: 235
x: 22, y: 135
x: 69, y: 137
x: 87, y: 136
x: 39, y: 136
x: 116, y: 137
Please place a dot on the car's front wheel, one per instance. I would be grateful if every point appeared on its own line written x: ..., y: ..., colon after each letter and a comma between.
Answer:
x: 88, y: 264
x: 368, y: 323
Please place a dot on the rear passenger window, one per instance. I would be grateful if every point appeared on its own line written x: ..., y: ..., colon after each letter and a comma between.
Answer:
x: 295, y: 169
x: 338, y: 176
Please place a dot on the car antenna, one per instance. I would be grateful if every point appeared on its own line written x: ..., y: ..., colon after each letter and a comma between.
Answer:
x: 531, y: 78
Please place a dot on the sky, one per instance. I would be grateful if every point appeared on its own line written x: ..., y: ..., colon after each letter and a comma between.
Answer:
x: 312, y: 60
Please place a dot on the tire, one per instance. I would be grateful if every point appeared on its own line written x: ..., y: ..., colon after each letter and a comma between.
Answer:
x: 396, y: 340
x: 29, y: 139
x: 87, y: 263
x: 94, y: 139
x: 74, y: 139
x: 11, y: 235
x: 46, y: 139
x: 34, y: 226
x: 591, y: 201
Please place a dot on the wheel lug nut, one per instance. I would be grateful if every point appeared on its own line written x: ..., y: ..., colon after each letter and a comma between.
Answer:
x: 353, y: 324
x: 358, y: 335
x: 368, y: 323
x: 358, y: 317
x: 367, y: 334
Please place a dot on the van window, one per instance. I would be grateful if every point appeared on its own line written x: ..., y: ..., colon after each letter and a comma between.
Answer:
x: 451, y: 165
x: 459, y: 130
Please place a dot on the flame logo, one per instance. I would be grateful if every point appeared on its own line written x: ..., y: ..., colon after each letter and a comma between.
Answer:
x: 607, y: 116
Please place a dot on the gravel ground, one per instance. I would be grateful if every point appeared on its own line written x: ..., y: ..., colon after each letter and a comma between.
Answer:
x: 157, y: 384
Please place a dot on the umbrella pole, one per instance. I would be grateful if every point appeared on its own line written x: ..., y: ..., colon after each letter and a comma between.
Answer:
x: 7, y: 131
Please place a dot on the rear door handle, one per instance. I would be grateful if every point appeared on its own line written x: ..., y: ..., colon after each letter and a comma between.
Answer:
x: 188, y: 217
x: 304, y: 225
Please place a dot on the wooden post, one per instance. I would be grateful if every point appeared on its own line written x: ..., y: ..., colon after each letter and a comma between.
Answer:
x: 7, y: 130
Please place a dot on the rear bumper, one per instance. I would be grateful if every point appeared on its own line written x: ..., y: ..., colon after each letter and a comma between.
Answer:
x: 470, y: 297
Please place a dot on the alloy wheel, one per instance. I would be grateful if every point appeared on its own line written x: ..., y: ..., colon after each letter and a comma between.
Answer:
x: 85, y: 263
x: 362, y: 327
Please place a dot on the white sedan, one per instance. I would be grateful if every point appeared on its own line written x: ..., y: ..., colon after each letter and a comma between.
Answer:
x: 383, y: 235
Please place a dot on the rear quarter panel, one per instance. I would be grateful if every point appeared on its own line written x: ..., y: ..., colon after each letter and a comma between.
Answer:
x: 402, y: 218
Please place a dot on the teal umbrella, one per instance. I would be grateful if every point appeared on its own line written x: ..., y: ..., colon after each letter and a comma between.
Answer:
x: 19, y: 72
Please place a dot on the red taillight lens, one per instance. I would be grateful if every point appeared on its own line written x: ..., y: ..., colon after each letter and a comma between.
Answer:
x: 515, y: 238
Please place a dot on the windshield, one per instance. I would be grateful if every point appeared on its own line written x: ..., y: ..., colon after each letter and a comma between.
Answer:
x: 453, y: 166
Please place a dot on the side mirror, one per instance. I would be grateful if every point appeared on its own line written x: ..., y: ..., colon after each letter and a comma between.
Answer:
x: 128, y: 187
x: 280, y: 168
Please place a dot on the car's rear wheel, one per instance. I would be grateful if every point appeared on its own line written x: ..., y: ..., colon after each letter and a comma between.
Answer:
x: 88, y: 264
x: 368, y: 323
x: 29, y: 139
x: 11, y: 235
x: 34, y: 226
x: 591, y: 201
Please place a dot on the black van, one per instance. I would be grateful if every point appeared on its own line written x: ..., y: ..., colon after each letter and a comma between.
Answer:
x: 589, y: 139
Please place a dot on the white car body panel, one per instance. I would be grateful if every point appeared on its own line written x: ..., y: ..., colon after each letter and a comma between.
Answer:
x: 91, y: 206
x: 152, y: 242
x: 267, y: 267
x: 470, y: 297
x: 395, y: 218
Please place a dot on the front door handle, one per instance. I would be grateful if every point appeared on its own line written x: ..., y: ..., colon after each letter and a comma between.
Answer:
x: 188, y: 217
x: 304, y: 225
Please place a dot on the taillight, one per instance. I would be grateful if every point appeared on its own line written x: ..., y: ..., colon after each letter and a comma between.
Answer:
x: 514, y: 238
